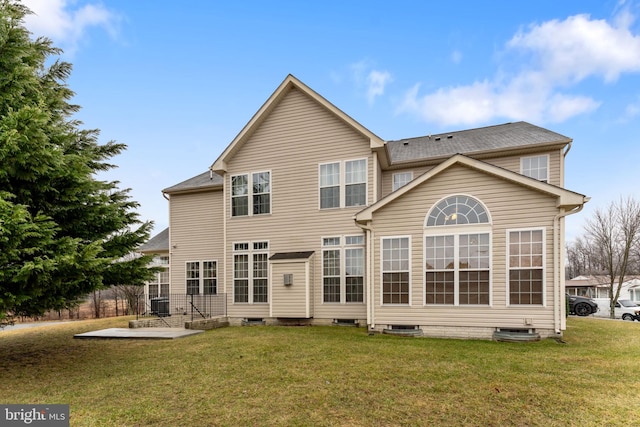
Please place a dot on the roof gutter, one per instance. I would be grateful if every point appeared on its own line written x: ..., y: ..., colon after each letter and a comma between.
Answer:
x: 567, y: 150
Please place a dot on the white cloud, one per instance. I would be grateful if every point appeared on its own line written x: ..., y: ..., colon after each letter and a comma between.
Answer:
x: 456, y: 56
x: 371, y: 80
x: 377, y: 80
x: 556, y: 56
x: 631, y: 112
x: 65, y: 22
x: 522, y: 98
x: 579, y: 47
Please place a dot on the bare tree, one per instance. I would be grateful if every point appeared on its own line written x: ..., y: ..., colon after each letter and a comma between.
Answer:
x: 97, y: 303
x: 131, y: 294
x: 578, y: 259
x: 611, y: 241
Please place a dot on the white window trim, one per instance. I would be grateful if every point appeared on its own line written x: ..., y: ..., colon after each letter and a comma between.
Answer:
x: 469, y: 226
x: 158, y: 282
x: 320, y: 187
x: 382, y: 271
x: 342, y: 248
x: 200, y: 275
x: 456, y: 231
x: 393, y: 179
x: 343, y: 183
x: 522, y: 159
x: 250, y: 252
x: 250, y: 193
x: 544, y: 267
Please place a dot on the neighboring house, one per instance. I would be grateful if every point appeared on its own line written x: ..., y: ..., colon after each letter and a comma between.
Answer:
x: 158, y: 247
x: 584, y: 286
x: 598, y: 287
x: 307, y: 216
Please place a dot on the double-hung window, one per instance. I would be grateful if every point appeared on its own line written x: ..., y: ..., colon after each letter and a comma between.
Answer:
x: 209, y: 278
x: 193, y: 277
x: 355, y: 183
x: 251, y: 194
x: 354, y: 268
x: 250, y: 272
x: 163, y: 279
x: 536, y: 167
x: 526, y: 266
x: 261, y: 188
x: 395, y: 270
x: 457, y: 248
x: 201, y: 277
x: 343, y: 184
x: 240, y: 195
x: 330, y: 185
x: 343, y: 269
x: 401, y: 179
x: 159, y: 286
x: 457, y: 269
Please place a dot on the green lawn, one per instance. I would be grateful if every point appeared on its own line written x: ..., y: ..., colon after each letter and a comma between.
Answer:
x: 326, y: 376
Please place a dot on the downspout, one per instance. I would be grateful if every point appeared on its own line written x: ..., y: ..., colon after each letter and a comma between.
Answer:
x: 564, y: 156
x: 567, y: 150
x: 224, y: 246
x: 557, y: 253
x: 370, y: 299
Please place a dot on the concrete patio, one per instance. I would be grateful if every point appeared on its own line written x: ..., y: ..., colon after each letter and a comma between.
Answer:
x: 139, y: 333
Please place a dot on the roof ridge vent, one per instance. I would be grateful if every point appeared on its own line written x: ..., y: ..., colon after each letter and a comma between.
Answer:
x: 437, y: 138
x: 449, y: 136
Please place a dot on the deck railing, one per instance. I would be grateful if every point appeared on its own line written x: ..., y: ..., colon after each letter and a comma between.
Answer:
x: 192, y: 306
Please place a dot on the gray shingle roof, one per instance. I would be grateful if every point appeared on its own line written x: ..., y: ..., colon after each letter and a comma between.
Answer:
x: 492, y: 138
x: 291, y: 255
x: 204, y: 180
x: 159, y: 242
x: 500, y: 137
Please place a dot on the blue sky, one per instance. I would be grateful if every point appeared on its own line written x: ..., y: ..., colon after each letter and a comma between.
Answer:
x: 176, y: 81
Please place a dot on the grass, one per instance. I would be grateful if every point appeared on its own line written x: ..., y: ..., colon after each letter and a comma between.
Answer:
x: 326, y: 376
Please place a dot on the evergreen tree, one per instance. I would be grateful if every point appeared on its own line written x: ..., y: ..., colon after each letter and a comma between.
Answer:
x: 63, y: 232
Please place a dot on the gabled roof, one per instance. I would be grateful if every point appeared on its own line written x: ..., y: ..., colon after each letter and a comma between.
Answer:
x: 289, y: 83
x: 599, y: 280
x: 566, y: 199
x: 158, y: 243
x: 508, y: 136
x: 205, y: 181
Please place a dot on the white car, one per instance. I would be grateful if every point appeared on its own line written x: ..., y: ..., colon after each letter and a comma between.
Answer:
x: 627, y: 310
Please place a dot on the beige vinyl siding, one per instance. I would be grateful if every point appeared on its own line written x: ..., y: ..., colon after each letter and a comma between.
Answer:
x: 387, y: 177
x: 511, y: 163
x: 296, y: 137
x: 293, y: 301
x: 196, y: 234
x: 510, y: 206
x: 380, y: 193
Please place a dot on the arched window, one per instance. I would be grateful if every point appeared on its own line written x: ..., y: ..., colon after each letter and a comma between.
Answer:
x: 457, y: 264
x: 457, y: 210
